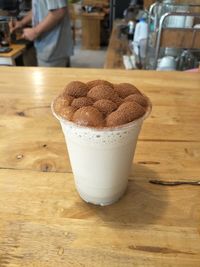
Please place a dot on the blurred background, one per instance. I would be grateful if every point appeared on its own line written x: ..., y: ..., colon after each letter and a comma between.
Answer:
x: 138, y: 34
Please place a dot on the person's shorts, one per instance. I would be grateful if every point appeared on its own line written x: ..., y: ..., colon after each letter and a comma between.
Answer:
x: 63, y: 62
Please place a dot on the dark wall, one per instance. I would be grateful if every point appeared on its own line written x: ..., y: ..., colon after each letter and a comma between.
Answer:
x: 8, y: 4
x: 118, y: 7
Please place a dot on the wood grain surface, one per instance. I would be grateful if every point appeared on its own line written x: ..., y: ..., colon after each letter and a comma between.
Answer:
x: 91, y: 30
x: 17, y: 49
x: 43, y: 221
x: 118, y: 46
x: 181, y: 38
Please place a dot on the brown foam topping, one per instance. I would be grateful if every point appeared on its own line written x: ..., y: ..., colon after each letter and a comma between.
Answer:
x: 137, y: 98
x: 126, y: 89
x: 99, y: 103
x: 105, y: 106
x: 76, y: 89
x: 88, y: 116
x: 94, y: 83
x: 82, y: 102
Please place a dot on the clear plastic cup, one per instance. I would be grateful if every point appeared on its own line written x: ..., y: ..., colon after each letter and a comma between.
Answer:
x: 101, y: 158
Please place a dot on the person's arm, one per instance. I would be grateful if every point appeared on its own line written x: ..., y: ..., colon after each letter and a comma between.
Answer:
x: 15, y: 25
x: 49, y: 22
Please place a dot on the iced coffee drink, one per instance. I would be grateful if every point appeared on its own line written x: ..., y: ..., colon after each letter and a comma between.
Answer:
x: 101, y: 122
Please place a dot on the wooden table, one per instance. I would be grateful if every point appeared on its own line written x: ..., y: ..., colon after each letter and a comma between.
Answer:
x: 44, y: 223
x: 91, y: 30
x: 9, y: 58
x: 117, y: 47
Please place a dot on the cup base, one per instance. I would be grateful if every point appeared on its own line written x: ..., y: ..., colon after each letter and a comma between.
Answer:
x: 101, y: 201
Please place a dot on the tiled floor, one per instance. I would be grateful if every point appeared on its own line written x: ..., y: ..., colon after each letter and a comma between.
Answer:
x: 87, y: 58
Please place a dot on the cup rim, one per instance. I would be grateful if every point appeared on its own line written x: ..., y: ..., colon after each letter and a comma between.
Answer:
x: 101, y: 129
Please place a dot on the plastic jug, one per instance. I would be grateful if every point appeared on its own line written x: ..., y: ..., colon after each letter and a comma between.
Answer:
x: 140, y: 38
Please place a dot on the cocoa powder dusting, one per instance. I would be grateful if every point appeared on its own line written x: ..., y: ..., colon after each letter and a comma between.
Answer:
x: 94, y: 83
x: 100, y: 104
x: 67, y: 112
x: 82, y: 102
x: 102, y: 92
x: 126, y: 113
x: 62, y: 102
x: 105, y: 106
x: 76, y: 89
x: 88, y: 116
x: 137, y: 98
x: 125, y: 89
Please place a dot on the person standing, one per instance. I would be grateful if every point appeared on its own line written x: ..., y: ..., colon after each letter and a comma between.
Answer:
x: 51, y: 32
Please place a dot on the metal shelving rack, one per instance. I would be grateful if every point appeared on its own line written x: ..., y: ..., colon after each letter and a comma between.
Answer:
x: 159, y: 36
